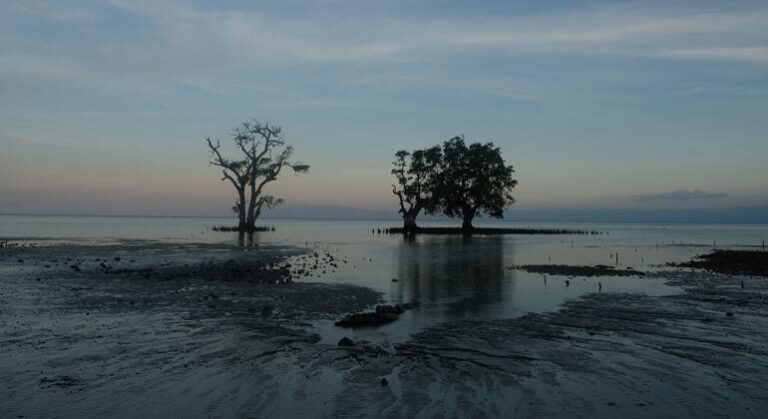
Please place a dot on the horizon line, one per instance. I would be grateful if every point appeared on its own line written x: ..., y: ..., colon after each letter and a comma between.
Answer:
x: 395, y: 217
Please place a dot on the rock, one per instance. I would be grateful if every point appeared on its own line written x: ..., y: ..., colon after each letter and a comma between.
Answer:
x: 395, y: 280
x: 410, y: 306
x: 383, y: 314
x: 388, y: 309
x: 366, y: 319
x: 384, y: 382
x: 345, y: 341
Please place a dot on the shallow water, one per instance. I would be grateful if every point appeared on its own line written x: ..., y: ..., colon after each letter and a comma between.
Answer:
x: 452, y: 277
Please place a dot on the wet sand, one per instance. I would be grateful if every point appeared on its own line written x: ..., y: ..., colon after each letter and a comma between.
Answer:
x: 703, y: 353
x: 94, y: 343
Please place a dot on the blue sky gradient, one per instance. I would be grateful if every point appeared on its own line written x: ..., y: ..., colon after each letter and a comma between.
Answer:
x: 104, y: 104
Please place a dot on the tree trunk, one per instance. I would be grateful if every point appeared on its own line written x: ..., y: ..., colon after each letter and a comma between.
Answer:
x: 409, y: 223
x: 469, y: 214
x: 409, y: 218
x: 241, y: 209
x: 251, y: 218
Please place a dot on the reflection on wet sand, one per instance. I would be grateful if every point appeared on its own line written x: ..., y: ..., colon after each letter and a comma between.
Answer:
x: 459, y: 276
x: 245, y: 239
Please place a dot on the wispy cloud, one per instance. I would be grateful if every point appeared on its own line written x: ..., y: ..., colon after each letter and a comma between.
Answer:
x: 188, y: 44
x: 268, y: 40
x: 680, y: 195
x: 748, y: 54
x: 51, y: 10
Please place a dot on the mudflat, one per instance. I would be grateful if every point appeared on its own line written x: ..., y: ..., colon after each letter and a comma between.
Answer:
x: 164, y: 330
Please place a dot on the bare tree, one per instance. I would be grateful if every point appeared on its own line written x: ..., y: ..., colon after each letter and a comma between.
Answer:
x: 264, y: 156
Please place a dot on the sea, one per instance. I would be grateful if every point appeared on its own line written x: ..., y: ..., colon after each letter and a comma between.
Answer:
x: 453, y: 278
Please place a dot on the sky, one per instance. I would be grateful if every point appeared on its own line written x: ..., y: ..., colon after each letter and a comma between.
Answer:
x: 105, y: 104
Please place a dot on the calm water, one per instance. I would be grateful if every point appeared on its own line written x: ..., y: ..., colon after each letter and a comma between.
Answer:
x: 453, y: 277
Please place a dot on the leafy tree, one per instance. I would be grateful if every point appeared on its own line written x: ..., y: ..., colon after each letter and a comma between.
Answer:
x: 415, y: 175
x: 473, y: 180
x: 264, y: 155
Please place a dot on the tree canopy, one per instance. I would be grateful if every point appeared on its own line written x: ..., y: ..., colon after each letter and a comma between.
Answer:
x: 474, y: 180
x: 456, y: 180
x: 415, y: 176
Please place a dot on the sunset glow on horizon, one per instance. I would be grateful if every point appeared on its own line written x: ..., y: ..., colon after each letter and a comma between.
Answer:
x: 105, y: 104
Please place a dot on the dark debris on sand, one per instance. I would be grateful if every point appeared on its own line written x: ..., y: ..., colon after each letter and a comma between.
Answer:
x: 731, y: 262
x: 262, y: 271
x: 383, y: 314
x: 568, y: 270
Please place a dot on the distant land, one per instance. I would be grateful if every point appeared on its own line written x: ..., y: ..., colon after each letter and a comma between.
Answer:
x: 741, y: 215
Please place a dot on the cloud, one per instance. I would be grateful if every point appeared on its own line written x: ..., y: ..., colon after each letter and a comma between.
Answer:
x: 208, y: 48
x: 53, y: 11
x: 250, y: 38
x: 679, y: 195
x: 25, y: 73
x: 747, y: 54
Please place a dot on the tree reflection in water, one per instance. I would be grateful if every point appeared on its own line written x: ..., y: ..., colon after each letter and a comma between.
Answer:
x: 461, y: 275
